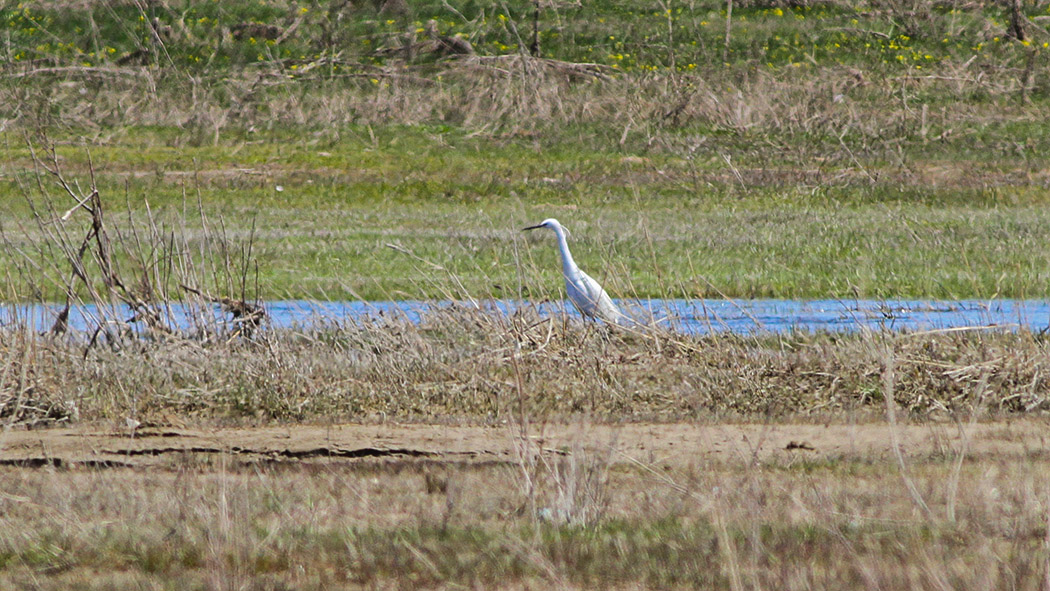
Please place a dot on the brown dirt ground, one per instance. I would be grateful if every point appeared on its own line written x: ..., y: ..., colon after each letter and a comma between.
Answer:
x: 667, y: 445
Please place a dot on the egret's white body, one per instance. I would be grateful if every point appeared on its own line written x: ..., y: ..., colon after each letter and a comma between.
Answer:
x: 586, y: 294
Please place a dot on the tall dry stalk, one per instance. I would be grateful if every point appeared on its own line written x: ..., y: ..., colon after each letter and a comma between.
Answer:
x: 888, y: 380
x: 729, y: 30
x: 964, y: 446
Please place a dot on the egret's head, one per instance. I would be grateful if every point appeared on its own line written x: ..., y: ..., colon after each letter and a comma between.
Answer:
x: 547, y: 223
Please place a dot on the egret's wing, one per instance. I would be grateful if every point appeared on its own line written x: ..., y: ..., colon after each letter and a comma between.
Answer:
x: 577, y: 289
x: 591, y: 289
x: 599, y: 302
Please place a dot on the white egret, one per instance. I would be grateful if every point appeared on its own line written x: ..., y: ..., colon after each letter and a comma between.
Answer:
x: 586, y: 294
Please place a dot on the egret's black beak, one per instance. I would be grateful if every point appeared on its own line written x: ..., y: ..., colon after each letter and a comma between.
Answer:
x: 532, y: 227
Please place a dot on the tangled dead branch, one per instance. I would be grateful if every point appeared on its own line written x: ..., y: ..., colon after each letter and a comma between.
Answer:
x: 125, y: 275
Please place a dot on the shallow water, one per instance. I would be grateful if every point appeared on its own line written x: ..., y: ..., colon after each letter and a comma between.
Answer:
x: 687, y: 316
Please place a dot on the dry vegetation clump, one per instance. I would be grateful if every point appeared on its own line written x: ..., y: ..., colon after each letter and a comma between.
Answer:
x: 127, y: 268
x: 934, y: 372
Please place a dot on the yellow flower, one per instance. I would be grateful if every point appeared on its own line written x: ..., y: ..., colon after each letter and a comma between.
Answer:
x: 304, y: 10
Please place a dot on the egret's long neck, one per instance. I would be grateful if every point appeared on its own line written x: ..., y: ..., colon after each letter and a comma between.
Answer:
x: 568, y: 266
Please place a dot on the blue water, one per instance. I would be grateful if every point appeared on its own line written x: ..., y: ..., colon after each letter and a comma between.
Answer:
x: 686, y: 316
